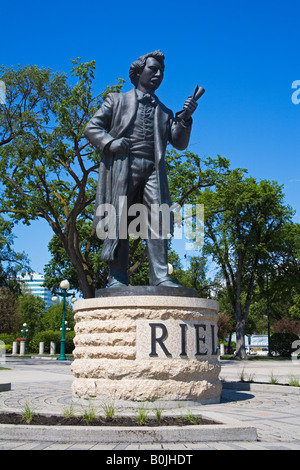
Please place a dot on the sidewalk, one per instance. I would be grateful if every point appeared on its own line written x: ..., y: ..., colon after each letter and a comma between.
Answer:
x: 260, y: 370
x: 46, y: 386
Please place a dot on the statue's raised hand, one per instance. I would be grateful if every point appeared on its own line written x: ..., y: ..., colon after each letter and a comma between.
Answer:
x: 189, y: 107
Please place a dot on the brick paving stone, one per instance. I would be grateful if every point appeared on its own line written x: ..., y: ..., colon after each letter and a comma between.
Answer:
x: 58, y: 446
x: 147, y: 447
x: 27, y: 446
x: 41, y: 446
x: 105, y: 447
x: 81, y: 446
x: 196, y: 446
x: 9, y: 445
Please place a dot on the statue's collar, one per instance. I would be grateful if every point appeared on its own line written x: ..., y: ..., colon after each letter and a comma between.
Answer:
x: 146, y: 97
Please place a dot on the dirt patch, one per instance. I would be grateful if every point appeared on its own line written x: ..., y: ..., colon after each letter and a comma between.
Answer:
x: 39, y: 419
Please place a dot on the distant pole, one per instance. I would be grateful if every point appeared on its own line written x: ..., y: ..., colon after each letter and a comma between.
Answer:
x: 268, y: 317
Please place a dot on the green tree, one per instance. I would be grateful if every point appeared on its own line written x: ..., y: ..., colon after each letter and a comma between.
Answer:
x: 9, y: 315
x: 12, y: 264
x: 52, y: 318
x: 47, y: 168
x: 190, y: 174
x: 245, y: 221
x: 294, y: 309
x: 284, y: 275
x: 30, y: 95
x: 195, y: 277
x: 279, y: 286
x: 31, y: 310
x: 257, y: 322
x: 60, y: 265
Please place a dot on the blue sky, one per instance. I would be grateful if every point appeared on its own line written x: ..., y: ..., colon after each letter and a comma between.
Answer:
x: 244, y: 53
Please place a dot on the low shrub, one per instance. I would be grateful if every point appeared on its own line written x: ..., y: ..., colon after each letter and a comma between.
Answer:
x: 281, y: 343
x: 8, y: 348
x: 7, y: 338
x: 48, y: 336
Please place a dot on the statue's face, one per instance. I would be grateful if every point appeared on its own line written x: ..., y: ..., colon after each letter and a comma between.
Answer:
x: 152, y: 76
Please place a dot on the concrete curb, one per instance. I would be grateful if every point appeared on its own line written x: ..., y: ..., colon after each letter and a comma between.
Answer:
x: 227, y: 429
x: 234, y: 431
x: 5, y: 387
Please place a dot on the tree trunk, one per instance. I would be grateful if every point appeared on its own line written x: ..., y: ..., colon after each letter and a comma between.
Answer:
x: 229, y: 344
x: 240, y: 315
x: 84, y: 277
x: 70, y: 242
x: 85, y: 282
x: 240, y: 352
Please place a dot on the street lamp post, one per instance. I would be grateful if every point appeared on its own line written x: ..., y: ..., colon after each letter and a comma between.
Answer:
x: 64, y: 285
x: 24, y: 330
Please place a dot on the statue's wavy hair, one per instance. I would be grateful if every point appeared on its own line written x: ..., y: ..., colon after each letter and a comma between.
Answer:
x: 137, y: 67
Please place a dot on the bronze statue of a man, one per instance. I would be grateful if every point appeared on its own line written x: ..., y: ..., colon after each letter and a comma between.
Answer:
x: 132, y: 131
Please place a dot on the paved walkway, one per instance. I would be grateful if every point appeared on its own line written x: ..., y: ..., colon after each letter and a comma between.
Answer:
x: 46, y: 386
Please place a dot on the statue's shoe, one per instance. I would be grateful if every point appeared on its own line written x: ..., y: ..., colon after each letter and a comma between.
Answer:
x: 116, y: 284
x: 168, y: 284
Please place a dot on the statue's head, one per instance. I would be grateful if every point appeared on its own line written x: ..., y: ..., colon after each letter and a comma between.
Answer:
x: 155, y: 58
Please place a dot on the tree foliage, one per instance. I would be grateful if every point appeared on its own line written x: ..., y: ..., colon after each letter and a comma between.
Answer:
x: 9, y: 316
x: 196, y: 277
x: 12, y: 264
x: 246, y: 225
x: 190, y: 174
x: 31, y: 310
x: 47, y: 168
x: 52, y: 318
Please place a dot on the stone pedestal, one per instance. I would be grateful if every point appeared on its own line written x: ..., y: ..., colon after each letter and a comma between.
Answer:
x: 146, y: 347
x: 15, y: 348
x: 22, y: 348
x: 41, y: 348
x: 52, y: 348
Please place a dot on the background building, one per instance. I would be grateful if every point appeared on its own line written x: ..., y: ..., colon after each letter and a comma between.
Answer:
x: 34, y: 283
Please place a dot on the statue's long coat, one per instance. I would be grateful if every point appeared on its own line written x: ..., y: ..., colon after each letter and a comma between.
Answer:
x: 111, y: 122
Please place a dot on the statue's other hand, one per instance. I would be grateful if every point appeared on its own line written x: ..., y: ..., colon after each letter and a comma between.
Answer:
x: 119, y: 146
